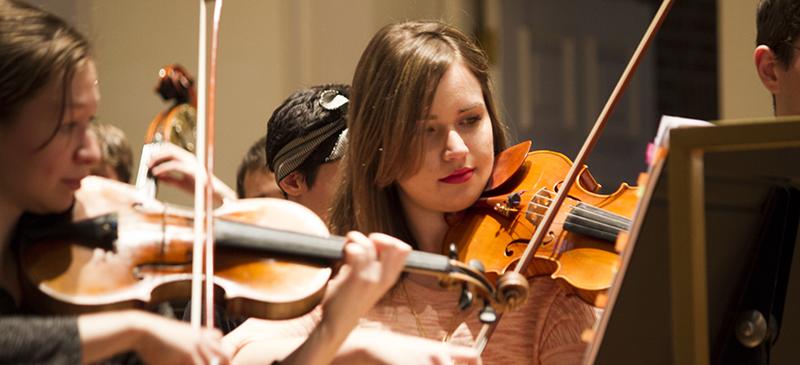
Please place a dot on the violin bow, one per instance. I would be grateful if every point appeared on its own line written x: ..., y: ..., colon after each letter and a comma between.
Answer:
x: 511, y: 294
x: 203, y: 188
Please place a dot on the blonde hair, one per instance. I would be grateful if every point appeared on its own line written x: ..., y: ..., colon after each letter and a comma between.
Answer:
x: 393, y: 88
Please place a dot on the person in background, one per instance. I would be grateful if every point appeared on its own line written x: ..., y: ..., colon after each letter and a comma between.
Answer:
x: 116, y: 160
x: 306, y: 137
x: 253, y: 178
x: 775, y: 56
x: 176, y: 166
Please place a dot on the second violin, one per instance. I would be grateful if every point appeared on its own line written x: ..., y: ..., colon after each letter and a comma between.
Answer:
x: 579, y: 247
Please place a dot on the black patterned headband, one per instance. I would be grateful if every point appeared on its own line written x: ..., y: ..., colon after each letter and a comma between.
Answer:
x: 294, y: 153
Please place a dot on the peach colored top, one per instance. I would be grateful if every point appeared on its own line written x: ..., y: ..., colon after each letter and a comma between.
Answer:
x: 545, y: 330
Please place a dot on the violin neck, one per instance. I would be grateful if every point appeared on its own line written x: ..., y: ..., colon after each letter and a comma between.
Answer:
x: 308, y: 248
x: 101, y: 232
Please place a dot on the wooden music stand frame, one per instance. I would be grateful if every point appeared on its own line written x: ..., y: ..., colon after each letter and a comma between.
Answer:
x: 686, y: 212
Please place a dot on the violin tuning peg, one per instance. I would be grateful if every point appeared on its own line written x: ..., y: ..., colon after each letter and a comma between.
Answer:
x: 465, y: 300
x: 487, y: 315
x: 477, y: 265
x: 452, y: 251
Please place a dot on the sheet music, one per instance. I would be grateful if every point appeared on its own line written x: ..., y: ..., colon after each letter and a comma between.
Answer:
x: 662, y: 135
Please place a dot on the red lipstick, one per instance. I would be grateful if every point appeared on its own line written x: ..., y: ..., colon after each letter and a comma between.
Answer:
x: 459, y: 176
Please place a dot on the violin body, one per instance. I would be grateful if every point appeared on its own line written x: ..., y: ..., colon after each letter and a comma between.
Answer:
x: 151, y: 259
x: 272, y: 257
x: 579, y: 247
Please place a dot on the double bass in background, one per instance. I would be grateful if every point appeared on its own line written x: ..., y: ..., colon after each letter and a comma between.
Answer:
x: 175, y: 124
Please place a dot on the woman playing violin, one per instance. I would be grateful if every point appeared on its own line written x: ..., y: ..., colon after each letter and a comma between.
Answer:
x: 424, y: 131
x: 48, y: 98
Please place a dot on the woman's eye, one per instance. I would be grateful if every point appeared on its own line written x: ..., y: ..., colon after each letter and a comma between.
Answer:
x: 68, y: 127
x: 472, y: 119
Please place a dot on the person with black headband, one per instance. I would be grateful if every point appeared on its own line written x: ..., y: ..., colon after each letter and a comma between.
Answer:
x: 306, y: 136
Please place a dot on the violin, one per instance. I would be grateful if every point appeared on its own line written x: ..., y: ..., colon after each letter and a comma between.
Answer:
x: 579, y: 247
x: 140, y: 256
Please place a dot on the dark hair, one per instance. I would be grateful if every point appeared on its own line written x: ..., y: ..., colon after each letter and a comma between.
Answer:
x: 299, y: 115
x: 255, y: 159
x: 35, y: 47
x: 777, y: 26
x: 115, y: 150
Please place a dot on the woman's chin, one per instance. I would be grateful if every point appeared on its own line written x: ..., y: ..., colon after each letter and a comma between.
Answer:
x: 460, y: 204
x: 54, y: 206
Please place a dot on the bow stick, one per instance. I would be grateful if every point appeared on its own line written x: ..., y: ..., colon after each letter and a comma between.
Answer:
x: 203, y: 188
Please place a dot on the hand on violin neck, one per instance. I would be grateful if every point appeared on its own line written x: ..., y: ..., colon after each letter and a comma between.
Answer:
x: 371, y: 266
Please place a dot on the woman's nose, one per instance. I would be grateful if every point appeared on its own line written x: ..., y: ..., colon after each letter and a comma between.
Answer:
x: 456, y: 148
x: 89, y: 149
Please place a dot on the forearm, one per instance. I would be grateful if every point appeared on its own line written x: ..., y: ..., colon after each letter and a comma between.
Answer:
x: 105, y: 334
x: 305, y: 340
x: 314, y: 349
x: 322, y: 344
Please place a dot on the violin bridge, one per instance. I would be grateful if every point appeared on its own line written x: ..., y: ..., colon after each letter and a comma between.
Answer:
x: 538, y: 205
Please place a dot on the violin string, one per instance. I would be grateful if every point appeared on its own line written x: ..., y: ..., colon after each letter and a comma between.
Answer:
x: 598, y: 221
x: 610, y: 227
x: 578, y: 208
x: 591, y: 216
x: 575, y: 208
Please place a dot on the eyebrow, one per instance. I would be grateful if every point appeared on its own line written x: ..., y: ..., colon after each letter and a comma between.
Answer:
x: 462, y: 110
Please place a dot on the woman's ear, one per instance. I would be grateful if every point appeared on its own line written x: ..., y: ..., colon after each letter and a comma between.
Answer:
x: 294, y: 184
x: 766, y: 65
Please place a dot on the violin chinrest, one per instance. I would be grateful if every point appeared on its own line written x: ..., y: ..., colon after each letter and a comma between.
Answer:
x: 507, y: 163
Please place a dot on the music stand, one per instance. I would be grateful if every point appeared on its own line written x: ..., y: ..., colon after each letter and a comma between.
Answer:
x: 697, y: 257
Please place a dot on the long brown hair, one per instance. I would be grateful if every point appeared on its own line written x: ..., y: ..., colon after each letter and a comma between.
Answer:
x: 393, y: 88
x: 35, y: 47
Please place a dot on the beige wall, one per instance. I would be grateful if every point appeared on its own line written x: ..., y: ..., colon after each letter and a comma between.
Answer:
x: 268, y: 48
x: 740, y: 90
